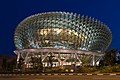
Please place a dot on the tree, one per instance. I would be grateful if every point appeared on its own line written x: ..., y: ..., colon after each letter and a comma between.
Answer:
x: 20, y: 63
x: 37, y: 64
x: 9, y: 63
x: 4, y: 65
x: 33, y: 62
x: 50, y: 60
x: 109, y: 58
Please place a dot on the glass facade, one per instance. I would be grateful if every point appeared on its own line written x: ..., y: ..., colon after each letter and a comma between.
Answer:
x: 62, y: 30
x: 69, y: 38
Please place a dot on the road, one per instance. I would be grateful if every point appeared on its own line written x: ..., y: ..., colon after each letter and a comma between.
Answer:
x: 62, y: 77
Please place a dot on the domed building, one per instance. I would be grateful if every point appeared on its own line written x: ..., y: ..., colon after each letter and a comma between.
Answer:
x: 62, y: 37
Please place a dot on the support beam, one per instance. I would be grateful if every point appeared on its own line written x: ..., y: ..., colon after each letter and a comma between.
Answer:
x: 58, y: 59
x: 78, y: 58
x: 45, y: 56
x: 93, y: 61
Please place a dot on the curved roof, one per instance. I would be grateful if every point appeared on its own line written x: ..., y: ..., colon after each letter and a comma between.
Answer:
x: 62, y: 30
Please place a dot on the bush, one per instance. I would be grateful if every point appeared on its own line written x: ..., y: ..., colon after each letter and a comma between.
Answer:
x: 86, y: 69
x: 109, y: 69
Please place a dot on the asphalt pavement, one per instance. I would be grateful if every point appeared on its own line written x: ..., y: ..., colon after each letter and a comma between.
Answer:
x: 61, y: 77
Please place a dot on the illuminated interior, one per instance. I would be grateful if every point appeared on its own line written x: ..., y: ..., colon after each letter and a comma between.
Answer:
x: 62, y: 30
x: 69, y: 38
x: 56, y: 37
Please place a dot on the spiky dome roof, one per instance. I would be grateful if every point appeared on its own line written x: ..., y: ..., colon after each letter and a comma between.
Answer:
x: 62, y: 30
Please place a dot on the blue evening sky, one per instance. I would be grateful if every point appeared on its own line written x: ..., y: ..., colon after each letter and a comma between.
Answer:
x: 12, y: 12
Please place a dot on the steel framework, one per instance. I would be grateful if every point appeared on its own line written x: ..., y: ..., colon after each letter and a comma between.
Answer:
x: 61, y: 57
x: 68, y: 37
